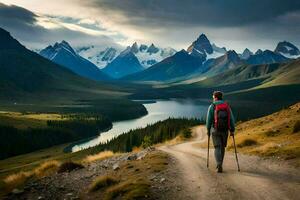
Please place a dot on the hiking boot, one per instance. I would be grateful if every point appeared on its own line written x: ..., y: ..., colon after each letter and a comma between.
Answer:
x: 219, y: 169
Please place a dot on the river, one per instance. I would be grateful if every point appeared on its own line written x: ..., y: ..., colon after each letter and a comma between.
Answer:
x: 157, y: 110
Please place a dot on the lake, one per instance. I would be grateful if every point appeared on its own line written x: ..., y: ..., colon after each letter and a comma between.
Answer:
x: 157, y: 110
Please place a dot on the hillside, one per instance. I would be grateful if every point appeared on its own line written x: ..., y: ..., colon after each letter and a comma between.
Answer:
x: 29, y: 82
x: 276, y: 135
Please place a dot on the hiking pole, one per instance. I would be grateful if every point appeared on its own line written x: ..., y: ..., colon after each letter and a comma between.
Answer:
x: 207, y: 159
x: 237, y: 161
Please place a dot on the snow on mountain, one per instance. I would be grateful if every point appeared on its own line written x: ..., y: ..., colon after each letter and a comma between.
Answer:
x: 203, y: 49
x: 150, y: 55
x: 98, y: 55
x: 63, y: 54
x: 287, y: 49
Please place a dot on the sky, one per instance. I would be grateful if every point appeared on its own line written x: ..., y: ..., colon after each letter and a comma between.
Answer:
x: 235, y: 24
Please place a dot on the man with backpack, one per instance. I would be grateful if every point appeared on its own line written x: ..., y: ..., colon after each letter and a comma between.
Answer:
x: 219, y: 121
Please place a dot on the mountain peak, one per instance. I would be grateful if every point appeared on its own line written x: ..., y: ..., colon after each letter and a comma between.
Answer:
x: 152, y: 49
x: 287, y: 49
x: 246, y: 54
x: 134, y: 47
x: 200, y: 47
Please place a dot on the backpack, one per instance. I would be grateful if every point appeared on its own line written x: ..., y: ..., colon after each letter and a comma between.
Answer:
x: 222, y: 117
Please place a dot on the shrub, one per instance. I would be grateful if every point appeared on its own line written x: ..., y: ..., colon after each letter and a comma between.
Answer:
x: 102, y: 181
x: 247, y: 142
x: 296, y: 127
x: 147, y: 142
x: 187, y: 133
x: 69, y: 166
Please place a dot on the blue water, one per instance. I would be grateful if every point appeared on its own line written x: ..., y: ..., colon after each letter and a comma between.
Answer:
x: 160, y: 110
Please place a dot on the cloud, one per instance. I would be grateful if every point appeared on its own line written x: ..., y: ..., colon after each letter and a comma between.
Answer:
x: 210, y: 13
x: 37, y: 31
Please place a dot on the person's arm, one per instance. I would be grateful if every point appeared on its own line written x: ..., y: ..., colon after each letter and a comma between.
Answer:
x: 209, y: 118
x: 232, y: 122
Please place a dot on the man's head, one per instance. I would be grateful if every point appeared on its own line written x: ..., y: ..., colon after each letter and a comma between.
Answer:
x: 217, y: 95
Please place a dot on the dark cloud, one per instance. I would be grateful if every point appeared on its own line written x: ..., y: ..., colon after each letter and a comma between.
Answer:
x: 23, y: 24
x: 211, y: 13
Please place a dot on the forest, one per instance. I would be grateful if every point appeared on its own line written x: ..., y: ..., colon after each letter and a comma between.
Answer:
x: 152, y: 134
x: 15, y: 141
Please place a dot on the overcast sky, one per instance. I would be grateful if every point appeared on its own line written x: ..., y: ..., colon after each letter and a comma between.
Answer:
x: 235, y: 24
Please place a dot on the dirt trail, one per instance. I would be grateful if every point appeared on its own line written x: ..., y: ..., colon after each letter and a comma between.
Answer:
x: 259, y: 178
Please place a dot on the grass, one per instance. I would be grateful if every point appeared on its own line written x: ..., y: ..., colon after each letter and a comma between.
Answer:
x: 130, y: 181
x: 100, y: 156
x: 101, y: 182
x: 271, y: 136
x: 296, y: 127
x: 247, y: 142
x: 18, y: 179
x: 129, y: 190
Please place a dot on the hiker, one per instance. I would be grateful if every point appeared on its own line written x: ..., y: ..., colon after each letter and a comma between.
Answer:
x: 219, y: 121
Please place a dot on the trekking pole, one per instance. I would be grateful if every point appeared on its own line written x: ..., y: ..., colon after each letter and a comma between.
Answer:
x: 236, y: 157
x: 207, y: 159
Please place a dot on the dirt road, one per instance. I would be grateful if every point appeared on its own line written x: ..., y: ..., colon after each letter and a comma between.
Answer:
x: 259, y: 178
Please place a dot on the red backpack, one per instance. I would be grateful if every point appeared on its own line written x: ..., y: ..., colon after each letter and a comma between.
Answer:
x: 222, y: 117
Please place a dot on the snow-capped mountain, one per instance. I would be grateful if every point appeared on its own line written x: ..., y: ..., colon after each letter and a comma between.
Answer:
x: 99, y: 56
x: 150, y: 55
x: 246, y: 54
x: 63, y: 54
x: 287, y: 49
x: 124, y: 64
x: 203, y: 49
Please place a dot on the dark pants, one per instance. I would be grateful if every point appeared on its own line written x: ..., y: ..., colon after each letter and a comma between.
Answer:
x: 220, y: 142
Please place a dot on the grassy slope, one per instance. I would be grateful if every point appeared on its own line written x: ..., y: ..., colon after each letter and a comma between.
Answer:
x: 273, y: 135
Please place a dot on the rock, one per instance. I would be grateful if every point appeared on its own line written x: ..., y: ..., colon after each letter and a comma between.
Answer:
x: 148, y: 167
x: 132, y: 157
x: 17, y: 191
x: 116, y: 166
x: 162, y: 180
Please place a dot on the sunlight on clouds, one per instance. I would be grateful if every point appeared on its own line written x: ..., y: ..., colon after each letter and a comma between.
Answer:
x: 48, y: 23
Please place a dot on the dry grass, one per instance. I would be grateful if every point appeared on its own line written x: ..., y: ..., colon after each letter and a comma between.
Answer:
x: 296, y: 127
x: 129, y: 190
x: 46, y: 168
x: 130, y: 181
x: 272, y: 135
x: 247, y: 142
x: 102, y: 181
x: 18, y: 179
x: 100, y: 156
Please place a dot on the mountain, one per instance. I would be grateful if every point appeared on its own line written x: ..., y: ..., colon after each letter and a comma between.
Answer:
x: 266, y: 57
x: 221, y: 64
x: 63, y: 54
x: 150, y: 55
x: 203, y: 49
x: 265, y: 75
x: 25, y: 72
x: 287, y: 49
x: 259, y: 51
x: 124, y: 64
x: 246, y: 54
x: 178, y: 65
x: 97, y: 55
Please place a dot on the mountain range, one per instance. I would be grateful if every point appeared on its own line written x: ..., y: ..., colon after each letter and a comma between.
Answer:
x: 63, y: 54
x: 210, y: 60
